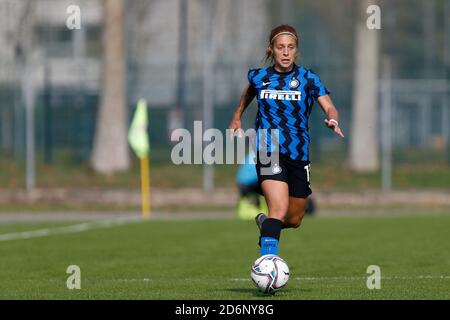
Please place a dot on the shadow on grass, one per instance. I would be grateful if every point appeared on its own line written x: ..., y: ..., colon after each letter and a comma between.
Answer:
x: 255, y: 293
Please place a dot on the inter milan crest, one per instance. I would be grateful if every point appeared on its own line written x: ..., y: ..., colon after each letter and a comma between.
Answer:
x: 294, y: 83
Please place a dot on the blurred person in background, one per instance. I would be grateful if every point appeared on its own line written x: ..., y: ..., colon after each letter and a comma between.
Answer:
x: 286, y: 94
x: 251, y: 202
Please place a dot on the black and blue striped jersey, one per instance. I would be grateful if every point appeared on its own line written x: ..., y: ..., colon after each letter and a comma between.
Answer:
x: 285, y: 101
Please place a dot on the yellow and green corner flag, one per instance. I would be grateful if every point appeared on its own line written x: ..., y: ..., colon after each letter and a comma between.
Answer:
x: 139, y: 141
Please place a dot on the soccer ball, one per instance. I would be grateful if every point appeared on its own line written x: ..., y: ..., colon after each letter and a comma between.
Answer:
x: 270, y: 273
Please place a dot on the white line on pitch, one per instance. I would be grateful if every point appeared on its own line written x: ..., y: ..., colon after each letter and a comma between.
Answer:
x: 65, y: 230
x: 420, y: 277
x: 364, y: 278
x: 132, y: 280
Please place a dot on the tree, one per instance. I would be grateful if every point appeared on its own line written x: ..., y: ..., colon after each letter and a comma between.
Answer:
x: 110, y: 152
x: 364, y: 133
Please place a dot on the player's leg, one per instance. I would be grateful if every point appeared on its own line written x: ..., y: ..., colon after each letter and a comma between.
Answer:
x: 295, y: 212
x: 276, y: 194
x: 277, y: 197
x: 299, y: 190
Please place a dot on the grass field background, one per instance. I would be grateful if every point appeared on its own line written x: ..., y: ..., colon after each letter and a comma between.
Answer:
x: 211, y: 259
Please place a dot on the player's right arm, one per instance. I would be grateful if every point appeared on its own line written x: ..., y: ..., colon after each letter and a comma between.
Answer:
x: 246, y: 98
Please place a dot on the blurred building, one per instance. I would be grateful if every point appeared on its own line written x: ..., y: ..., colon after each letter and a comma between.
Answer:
x: 66, y: 64
x: 37, y: 31
x: 64, y: 67
x: 72, y: 58
x: 164, y: 45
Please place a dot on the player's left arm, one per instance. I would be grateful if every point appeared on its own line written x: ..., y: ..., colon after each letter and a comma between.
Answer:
x: 330, y: 110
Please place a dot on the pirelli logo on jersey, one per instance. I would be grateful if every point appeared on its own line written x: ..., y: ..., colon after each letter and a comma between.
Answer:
x: 281, y: 95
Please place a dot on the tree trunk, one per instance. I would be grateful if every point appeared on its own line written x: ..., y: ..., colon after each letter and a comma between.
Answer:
x: 364, y: 134
x: 6, y: 127
x: 110, y: 152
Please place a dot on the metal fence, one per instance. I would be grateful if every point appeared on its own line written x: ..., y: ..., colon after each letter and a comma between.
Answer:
x: 165, y: 54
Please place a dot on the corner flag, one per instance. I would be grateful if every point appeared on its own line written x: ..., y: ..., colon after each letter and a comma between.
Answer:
x: 137, y: 135
x: 139, y: 141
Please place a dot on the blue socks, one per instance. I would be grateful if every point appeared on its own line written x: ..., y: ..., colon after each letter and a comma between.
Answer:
x: 270, y: 236
x: 269, y: 246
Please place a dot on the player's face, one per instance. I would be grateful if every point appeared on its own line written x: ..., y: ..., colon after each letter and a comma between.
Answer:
x: 284, y: 50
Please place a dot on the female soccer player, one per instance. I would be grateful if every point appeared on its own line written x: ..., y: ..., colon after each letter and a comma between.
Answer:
x: 286, y: 93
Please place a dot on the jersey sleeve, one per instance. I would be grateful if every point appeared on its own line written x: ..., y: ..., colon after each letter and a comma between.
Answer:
x: 250, y: 77
x: 317, y: 88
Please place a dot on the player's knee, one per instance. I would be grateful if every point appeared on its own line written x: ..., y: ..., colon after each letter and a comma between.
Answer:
x: 296, y: 221
x: 296, y: 224
x: 278, y: 212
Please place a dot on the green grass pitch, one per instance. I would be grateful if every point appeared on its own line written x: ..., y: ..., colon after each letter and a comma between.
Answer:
x: 211, y: 259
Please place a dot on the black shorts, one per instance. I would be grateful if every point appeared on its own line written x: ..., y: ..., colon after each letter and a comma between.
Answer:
x: 296, y: 173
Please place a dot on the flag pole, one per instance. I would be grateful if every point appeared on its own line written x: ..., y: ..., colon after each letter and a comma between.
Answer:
x: 145, y: 187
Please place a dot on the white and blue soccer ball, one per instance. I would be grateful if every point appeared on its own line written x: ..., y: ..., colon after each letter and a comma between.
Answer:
x: 270, y: 273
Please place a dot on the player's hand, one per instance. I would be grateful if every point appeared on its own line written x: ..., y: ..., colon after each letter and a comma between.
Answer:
x: 333, y: 125
x: 235, y: 125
